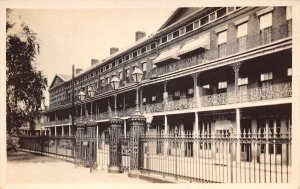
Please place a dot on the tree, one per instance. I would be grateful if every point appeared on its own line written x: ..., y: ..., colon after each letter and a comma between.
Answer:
x: 24, y: 82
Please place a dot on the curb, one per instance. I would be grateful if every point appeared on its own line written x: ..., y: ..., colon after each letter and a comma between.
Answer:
x: 155, y: 179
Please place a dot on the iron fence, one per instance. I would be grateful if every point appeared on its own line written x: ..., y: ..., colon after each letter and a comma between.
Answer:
x: 220, y: 157
x: 103, y: 152
x: 56, y: 145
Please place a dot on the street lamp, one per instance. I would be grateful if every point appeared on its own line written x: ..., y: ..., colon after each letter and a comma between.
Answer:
x: 137, y: 75
x: 91, y: 93
x: 81, y: 97
x: 115, y: 82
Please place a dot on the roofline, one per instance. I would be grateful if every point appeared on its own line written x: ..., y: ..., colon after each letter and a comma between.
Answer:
x: 137, y: 43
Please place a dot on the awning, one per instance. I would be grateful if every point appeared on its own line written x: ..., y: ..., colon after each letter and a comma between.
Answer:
x: 200, y: 42
x: 168, y: 54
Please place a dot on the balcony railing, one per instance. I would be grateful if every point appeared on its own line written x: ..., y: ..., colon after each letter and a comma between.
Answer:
x: 242, y: 44
x: 151, y: 108
x: 181, y: 104
x: 255, y: 94
x: 126, y: 112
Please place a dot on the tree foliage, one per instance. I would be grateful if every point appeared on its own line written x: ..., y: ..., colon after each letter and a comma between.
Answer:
x: 24, y: 82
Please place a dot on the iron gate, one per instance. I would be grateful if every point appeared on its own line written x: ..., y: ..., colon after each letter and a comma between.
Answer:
x: 86, y: 145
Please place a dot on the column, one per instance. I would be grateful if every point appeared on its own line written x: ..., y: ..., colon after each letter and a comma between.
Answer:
x: 238, y: 132
x: 166, y: 132
x: 236, y: 69
x: 62, y: 131
x: 254, y: 133
x: 137, y: 124
x: 114, y: 145
x: 196, y: 90
x: 267, y: 136
x: 55, y: 131
x: 284, y: 132
x: 196, y: 135
x: 124, y: 102
x: 50, y: 131
x: 141, y: 100
x: 125, y: 128
x: 70, y: 130
x: 213, y: 145
x: 165, y: 95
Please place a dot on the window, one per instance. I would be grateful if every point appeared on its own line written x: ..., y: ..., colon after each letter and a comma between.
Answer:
x: 222, y: 37
x: 127, y: 72
x: 289, y: 72
x: 266, y: 76
x: 170, y: 37
x: 175, y: 34
x: 204, y: 20
x: 242, y: 30
x: 182, y: 31
x: 189, y: 28
x: 107, y: 81
x: 221, y: 12
x: 230, y: 9
x: 164, y: 39
x: 153, y: 45
x: 153, y: 98
x: 196, y: 24
x: 143, y: 50
x: 212, y: 16
x: 127, y: 57
x: 134, y: 54
x: 206, y: 86
x: 288, y: 13
x: 222, y: 85
x: 177, y: 93
x: 265, y: 21
x: 243, y: 81
x: 144, y: 66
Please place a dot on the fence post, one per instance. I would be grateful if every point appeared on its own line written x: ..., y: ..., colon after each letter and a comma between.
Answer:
x: 137, y: 124
x: 114, y: 145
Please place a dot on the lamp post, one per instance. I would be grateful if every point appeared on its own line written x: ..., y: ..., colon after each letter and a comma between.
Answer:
x: 137, y: 123
x: 115, y: 82
x: 137, y: 76
x: 115, y: 132
x: 81, y: 97
x: 91, y: 128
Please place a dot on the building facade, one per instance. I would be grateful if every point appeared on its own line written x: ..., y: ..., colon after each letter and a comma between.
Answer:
x: 209, y: 71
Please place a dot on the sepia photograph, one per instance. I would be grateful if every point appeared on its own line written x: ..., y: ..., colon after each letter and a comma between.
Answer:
x: 141, y: 95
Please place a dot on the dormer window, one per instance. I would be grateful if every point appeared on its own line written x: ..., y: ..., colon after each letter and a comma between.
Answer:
x: 164, y: 39
x: 134, y: 54
x: 189, y: 28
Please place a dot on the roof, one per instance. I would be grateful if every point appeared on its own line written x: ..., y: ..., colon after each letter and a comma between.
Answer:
x: 168, y: 23
x: 64, y: 77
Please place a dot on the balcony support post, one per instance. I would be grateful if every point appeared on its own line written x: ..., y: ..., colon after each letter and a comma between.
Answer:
x: 236, y: 69
x: 62, y: 130
x: 166, y: 131
x: 165, y: 95
x: 238, y: 134
x: 141, y: 100
x: 70, y: 130
x: 196, y: 89
x: 196, y: 135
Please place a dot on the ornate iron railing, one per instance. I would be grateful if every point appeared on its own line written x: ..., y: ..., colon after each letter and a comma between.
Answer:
x: 151, y: 108
x: 221, y: 157
x: 254, y: 94
x: 126, y: 112
x: 181, y: 104
x: 243, y: 44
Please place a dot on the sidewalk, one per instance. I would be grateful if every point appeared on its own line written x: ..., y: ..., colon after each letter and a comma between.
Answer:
x: 33, y: 169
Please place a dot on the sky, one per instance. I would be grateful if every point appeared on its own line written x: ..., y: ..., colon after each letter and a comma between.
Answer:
x: 75, y: 36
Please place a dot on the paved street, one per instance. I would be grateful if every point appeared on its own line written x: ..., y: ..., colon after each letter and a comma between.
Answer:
x: 28, y: 168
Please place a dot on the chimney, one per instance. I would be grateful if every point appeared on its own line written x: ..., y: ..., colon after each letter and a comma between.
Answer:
x: 139, y: 35
x: 77, y: 70
x: 113, y: 50
x: 94, y: 61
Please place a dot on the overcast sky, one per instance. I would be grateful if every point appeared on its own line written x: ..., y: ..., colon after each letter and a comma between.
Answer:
x: 74, y: 36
